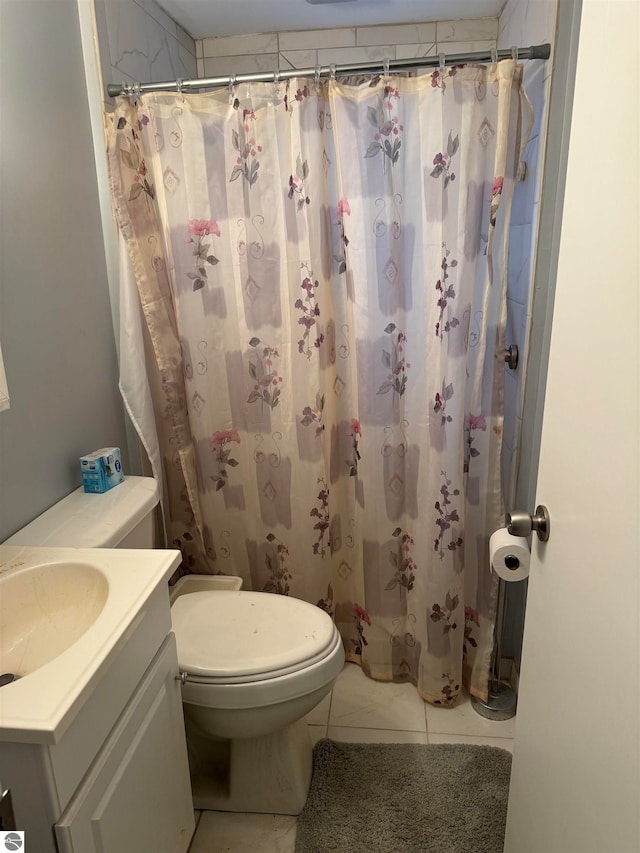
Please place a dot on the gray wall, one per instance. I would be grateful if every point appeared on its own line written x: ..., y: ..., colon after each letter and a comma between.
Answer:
x: 55, y: 317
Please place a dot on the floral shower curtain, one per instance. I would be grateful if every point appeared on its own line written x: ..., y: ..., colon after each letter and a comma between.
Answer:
x: 322, y: 273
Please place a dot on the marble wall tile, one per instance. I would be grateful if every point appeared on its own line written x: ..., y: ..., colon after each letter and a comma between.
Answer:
x: 126, y: 45
x: 346, y: 55
x: 520, y: 257
x: 396, y: 34
x: 139, y: 42
x: 511, y: 24
x: 222, y: 66
x: 517, y: 327
x: 524, y: 22
x: 477, y: 29
x: 152, y: 8
x: 305, y: 39
x: 240, y: 45
x: 535, y: 74
x: 451, y: 47
x: 509, y: 474
x: 409, y: 51
x: 512, y: 399
x: 524, y: 193
x: 186, y: 41
x: 540, y: 21
x: 299, y: 58
x: 168, y: 59
x: 305, y: 49
x: 187, y: 61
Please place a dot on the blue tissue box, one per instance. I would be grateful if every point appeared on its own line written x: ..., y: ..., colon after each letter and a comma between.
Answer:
x: 101, y: 470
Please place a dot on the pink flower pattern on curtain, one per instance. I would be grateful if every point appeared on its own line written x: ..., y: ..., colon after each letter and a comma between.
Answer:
x: 322, y: 273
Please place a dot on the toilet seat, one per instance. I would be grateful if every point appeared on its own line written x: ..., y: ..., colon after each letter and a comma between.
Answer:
x: 286, y: 648
x: 236, y: 636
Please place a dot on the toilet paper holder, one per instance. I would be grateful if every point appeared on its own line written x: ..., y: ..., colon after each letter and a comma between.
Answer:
x: 523, y: 524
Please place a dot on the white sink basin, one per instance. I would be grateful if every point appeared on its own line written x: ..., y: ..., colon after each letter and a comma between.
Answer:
x: 44, y: 610
x: 65, y: 615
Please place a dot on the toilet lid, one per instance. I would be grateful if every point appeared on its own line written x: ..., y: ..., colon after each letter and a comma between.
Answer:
x: 235, y: 633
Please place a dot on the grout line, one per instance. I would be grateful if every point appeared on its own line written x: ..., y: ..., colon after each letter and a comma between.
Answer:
x: 382, y: 729
x: 330, y: 706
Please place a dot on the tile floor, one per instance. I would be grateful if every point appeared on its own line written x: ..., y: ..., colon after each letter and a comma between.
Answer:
x: 358, y: 710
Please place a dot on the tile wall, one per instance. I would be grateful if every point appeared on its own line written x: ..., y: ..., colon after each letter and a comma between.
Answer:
x: 523, y: 23
x: 139, y: 42
x: 306, y: 49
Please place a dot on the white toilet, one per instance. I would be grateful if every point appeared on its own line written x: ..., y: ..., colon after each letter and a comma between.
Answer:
x: 252, y: 663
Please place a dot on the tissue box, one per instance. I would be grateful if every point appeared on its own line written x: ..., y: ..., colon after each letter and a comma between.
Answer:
x: 101, y: 470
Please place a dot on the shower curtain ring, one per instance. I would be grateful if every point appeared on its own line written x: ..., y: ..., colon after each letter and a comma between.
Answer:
x: 134, y: 93
x: 385, y: 68
x: 514, y: 54
x: 316, y: 76
x: 442, y: 62
x: 232, y: 88
x: 179, y: 83
x: 332, y: 71
x: 494, y: 55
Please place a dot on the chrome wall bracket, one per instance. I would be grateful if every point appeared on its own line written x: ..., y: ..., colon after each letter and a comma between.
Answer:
x: 511, y: 356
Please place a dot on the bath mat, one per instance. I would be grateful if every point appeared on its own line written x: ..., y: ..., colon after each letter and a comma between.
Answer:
x: 405, y: 798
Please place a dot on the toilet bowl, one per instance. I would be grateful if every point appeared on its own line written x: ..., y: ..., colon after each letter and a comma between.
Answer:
x: 253, y: 664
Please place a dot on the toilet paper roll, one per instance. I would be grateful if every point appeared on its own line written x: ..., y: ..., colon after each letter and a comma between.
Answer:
x: 509, y: 555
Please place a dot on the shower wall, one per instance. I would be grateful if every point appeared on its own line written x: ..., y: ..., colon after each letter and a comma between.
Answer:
x: 525, y: 22
x: 306, y: 49
x: 139, y: 42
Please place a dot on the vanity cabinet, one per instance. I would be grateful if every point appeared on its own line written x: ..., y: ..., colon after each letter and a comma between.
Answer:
x: 133, y: 798
x: 113, y: 776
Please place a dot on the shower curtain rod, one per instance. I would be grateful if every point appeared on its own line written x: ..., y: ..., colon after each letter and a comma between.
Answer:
x: 539, y: 51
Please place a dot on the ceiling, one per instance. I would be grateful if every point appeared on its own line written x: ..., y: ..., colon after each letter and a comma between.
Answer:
x: 203, y: 18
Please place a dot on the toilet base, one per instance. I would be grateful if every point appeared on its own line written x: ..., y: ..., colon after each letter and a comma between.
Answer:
x: 269, y: 774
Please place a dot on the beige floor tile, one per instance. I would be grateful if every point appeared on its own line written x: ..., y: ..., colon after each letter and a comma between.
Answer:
x: 500, y: 742
x: 320, y: 714
x: 316, y: 733
x: 349, y: 734
x: 361, y: 702
x: 237, y: 832
x: 463, y: 720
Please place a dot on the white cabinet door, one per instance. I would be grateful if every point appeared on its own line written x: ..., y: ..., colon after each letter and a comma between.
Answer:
x: 575, y: 783
x: 136, y: 797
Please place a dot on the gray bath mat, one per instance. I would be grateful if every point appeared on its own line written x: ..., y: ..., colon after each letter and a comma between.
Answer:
x: 405, y: 798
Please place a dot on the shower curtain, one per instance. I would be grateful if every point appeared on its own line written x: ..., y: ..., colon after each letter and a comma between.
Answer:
x: 322, y: 272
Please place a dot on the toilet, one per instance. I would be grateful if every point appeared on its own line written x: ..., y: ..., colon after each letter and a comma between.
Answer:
x: 252, y: 664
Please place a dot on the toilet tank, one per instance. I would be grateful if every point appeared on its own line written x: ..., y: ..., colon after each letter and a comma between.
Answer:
x: 119, y: 518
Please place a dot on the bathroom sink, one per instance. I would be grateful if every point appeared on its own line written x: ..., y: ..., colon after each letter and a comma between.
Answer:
x: 44, y: 610
x: 66, y: 616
